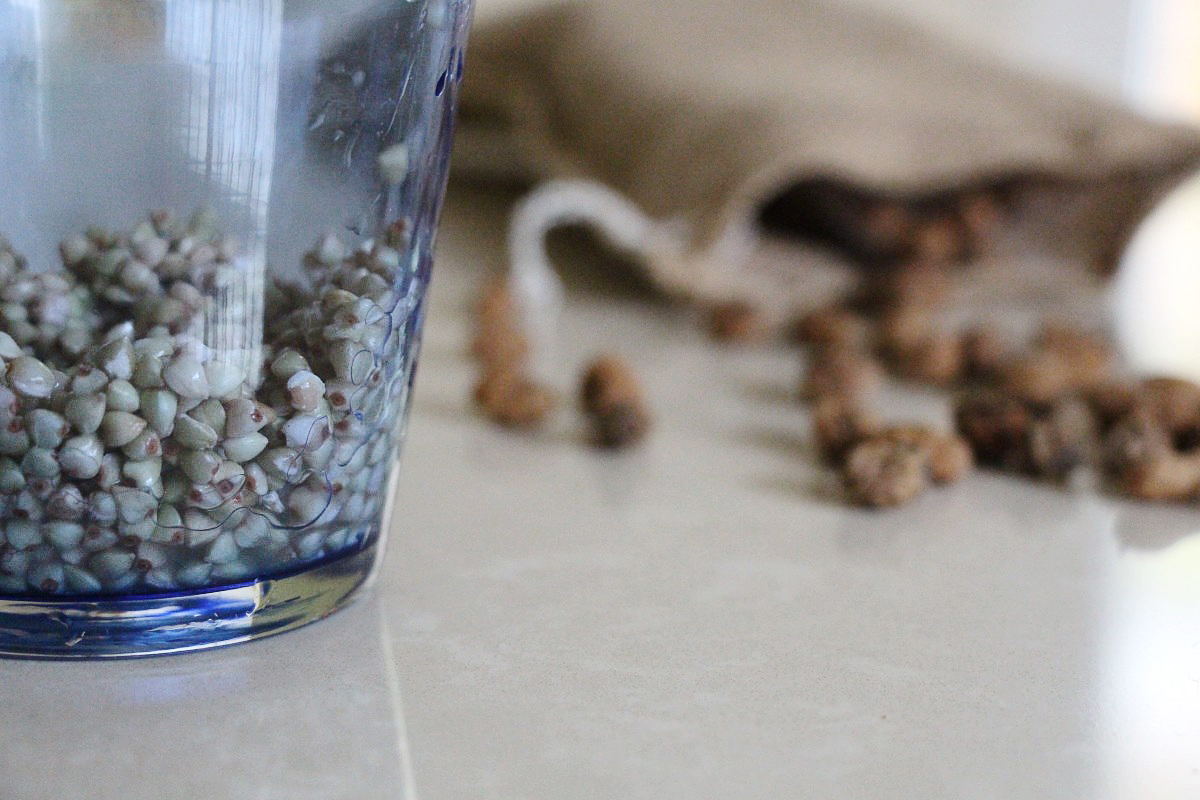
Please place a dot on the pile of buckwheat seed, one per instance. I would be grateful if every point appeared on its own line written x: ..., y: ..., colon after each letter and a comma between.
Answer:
x: 136, y: 457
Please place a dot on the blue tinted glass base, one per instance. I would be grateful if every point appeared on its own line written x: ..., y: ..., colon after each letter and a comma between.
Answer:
x: 115, y: 627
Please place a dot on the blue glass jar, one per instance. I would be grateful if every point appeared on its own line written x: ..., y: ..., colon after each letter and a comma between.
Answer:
x: 216, y: 226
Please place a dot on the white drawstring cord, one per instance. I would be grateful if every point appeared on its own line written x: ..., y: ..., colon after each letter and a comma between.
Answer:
x: 533, y: 280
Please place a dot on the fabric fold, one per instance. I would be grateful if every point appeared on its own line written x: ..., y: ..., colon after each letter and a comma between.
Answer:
x: 700, y: 113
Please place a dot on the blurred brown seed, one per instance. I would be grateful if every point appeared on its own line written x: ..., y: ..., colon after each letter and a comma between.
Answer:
x: 936, y: 360
x: 513, y: 400
x: 499, y: 348
x: 608, y: 380
x: 841, y: 372
x: 1087, y: 357
x: 1062, y: 439
x: 985, y: 349
x: 1111, y: 401
x: 1040, y: 377
x: 839, y: 425
x: 996, y: 426
x: 950, y: 459
x: 496, y: 303
x: 1175, y: 401
x: 903, y: 330
x: 832, y: 326
x: 620, y: 426
x: 1172, y: 478
x: 883, y: 472
x: 611, y: 397
x: 1141, y: 462
x: 737, y: 322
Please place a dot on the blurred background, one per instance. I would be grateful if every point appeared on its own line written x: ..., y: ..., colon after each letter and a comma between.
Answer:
x: 1145, y: 51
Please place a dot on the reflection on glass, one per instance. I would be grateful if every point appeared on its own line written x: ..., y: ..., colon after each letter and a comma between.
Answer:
x: 228, y: 132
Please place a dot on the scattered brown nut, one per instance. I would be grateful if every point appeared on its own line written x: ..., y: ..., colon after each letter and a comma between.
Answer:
x: 619, y: 426
x: 950, y: 460
x: 1040, y: 377
x: 1087, y: 358
x: 737, y: 323
x: 611, y: 396
x: 914, y: 285
x: 841, y: 372
x: 1174, y: 401
x: 1171, y: 478
x: 499, y: 348
x: 883, y: 472
x: 936, y: 360
x: 839, y: 425
x: 832, y: 326
x: 1042, y: 413
x: 1111, y: 401
x: 607, y: 381
x: 499, y: 343
x: 511, y: 399
x: 948, y: 457
x: 1136, y: 438
x: 903, y: 330
x: 996, y: 426
x: 985, y: 349
x: 1141, y: 462
x: 496, y: 303
x: 1062, y: 439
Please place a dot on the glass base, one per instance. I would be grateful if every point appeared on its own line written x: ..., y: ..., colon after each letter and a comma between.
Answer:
x: 116, y: 627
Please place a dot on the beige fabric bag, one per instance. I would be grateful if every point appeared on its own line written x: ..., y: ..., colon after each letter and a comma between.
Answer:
x: 674, y: 122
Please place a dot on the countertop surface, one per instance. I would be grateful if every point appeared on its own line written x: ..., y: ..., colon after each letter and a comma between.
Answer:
x: 701, y: 618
